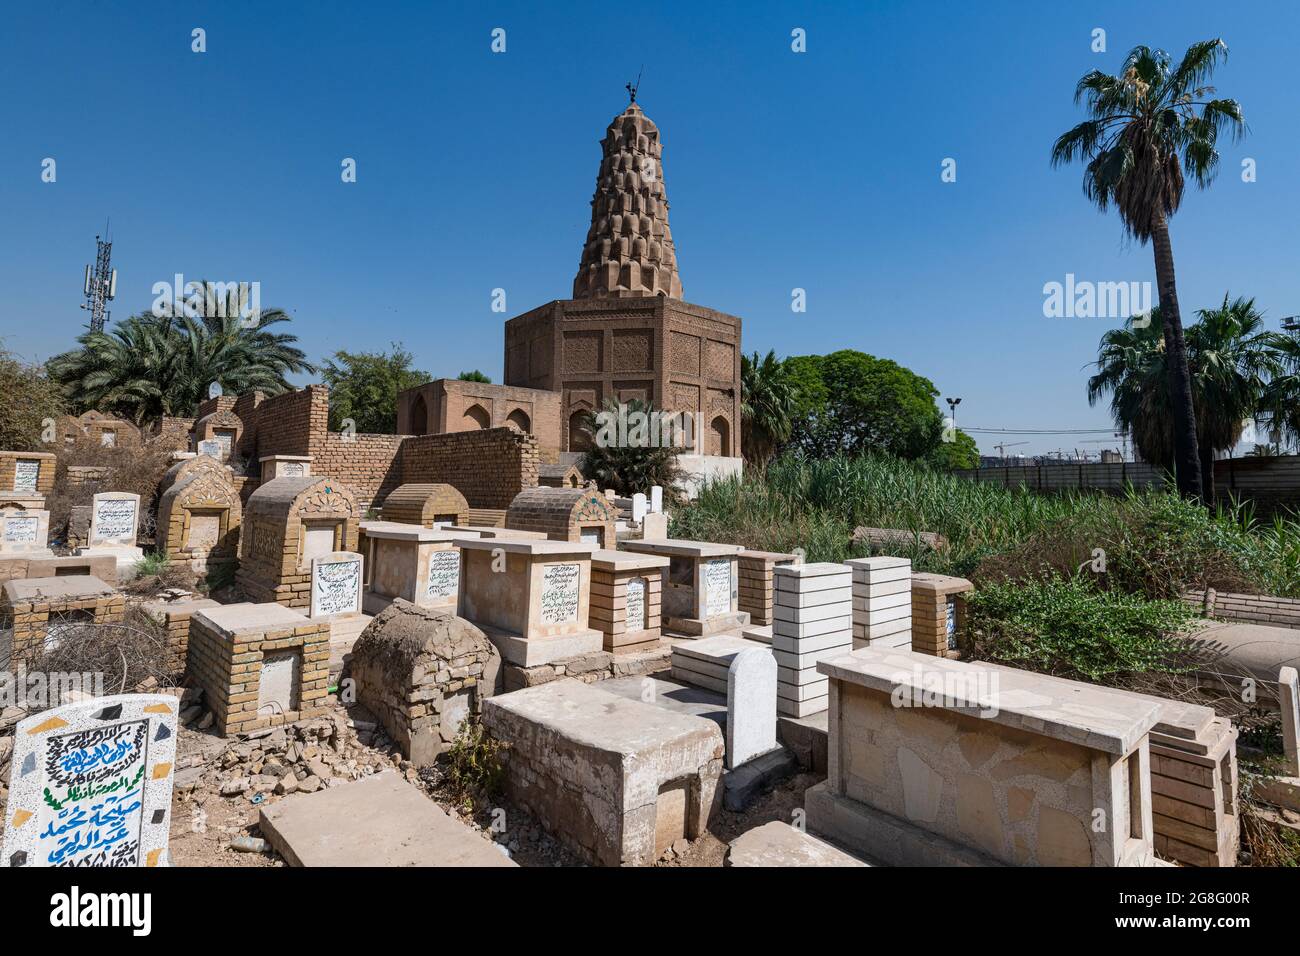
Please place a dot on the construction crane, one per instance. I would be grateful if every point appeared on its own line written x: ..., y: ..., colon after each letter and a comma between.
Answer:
x: 1002, y: 448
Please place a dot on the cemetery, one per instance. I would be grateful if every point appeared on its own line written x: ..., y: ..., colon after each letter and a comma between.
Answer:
x: 354, y: 649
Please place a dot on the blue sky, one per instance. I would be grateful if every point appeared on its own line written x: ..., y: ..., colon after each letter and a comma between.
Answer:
x: 818, y: 170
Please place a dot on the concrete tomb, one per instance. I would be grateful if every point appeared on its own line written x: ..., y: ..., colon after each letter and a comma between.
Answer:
x: 938, y: 613
x: 91, y: 784
x: 408, y: 561
x: 259, y: 665
x: 936, y: 762
x: 42, y: 611
x: 114, y: 522
x: 428, y: 505
x: 532, y: 598
x: 25, y: 533
x: 882, y: 602
x: 174, y: 617
x: 289, y: 522
x: 814, y: 616
x: 617, y: 780
x: 757, y: 585
x: 626, y: 589
x: 422, y: 673
x: 39, y: 565
x: 701, y: 593
x: 285, y: 466
x: 564, y: 514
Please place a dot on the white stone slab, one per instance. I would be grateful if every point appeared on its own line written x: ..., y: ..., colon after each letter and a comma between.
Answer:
x: 443, y: 583
x: 26, y: 473
x: 751, y: 706
x: 24, y: 531
x: 634, y: 614
x: 114, y: 519
x: 813, y: 598
x: 801, y: 645
x: 833, y: 625
x: 719, y: 581
x: 638, y: 507
x: 656, y: 499
x: 336, y: 584
x: 561, y: 594
x: 807, y: 615
x: 1288, y: 680
x: 881, y: 602
x: 91, y: 784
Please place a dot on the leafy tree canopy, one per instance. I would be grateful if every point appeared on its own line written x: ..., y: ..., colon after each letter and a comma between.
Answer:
x: 27, y: 399
x: 364, y: 386
x: 474, y: 376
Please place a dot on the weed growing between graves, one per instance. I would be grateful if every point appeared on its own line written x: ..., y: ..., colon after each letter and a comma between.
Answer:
x: 473, y: 767
x: 152, y: 564
x: 1069, y: 628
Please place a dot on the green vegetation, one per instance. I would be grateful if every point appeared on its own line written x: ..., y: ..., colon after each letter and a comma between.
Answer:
x: 474, y: 376
x: 631, y: 461
x: 150, y: 366
x: 1143, y: 130
x: 152, y: 564
x: 1069, y: 628
x: 364, y: 386
x: 473, y: 765
x: 766, y: 407
x: 30, y: 398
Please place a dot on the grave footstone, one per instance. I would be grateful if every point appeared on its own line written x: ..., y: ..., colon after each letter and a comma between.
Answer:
x: 751, y: 706
x: 91, y: 784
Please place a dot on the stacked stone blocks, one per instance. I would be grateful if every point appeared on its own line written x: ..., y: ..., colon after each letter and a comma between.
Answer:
x: 813, y: 620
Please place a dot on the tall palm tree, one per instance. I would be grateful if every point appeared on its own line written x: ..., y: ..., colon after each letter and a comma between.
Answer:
x: 766, y: 407
x: 1231, y: 360
x: 1148, y: 126
x: 1282, y: 399
x: 152, y: 365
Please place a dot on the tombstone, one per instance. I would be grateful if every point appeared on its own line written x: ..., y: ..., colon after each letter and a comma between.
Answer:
x: 285, y: 466
x: 114, y: 521
x: 751, y: 706
x: 24, y: 532
x: 1289, y: 686
x: 813, y: 620
x: 91, y: 784
x: 27, y: 473
x: 199, y: 516
x: 408, y: 561
x: 212, y: 448
x: 40, y: 610
x: 701, y: 591
x: 336, y: 584
x: 626, y: 590
x: 564, y: 514
x: 638, y: 507
x: 656, y: 499
x: 938, y: 613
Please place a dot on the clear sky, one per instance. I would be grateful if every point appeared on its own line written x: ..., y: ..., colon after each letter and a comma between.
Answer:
x: 816, y: 170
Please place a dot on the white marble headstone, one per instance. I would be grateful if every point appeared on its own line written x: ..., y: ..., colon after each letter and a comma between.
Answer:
x: 638, y: 507
x: 634, y: 616
x: 751, y: 706
x: 24, y: 531
x: 656, y: 499
x: 26, y: 472
x: 444, y: 576
x: 90, y: 784
x: 561, y: 593
x: 336, y: 584
x: 114, y: 516
x: 719, y: 588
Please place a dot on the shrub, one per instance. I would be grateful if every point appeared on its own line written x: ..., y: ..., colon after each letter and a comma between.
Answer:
x: 1070, y: 628
x: 474, y: 769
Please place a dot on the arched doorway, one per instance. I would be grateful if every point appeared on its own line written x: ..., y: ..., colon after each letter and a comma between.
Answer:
x: 419, y: 424
x: 519, y: 421
x: 579, y: 439
x: 719, y: 436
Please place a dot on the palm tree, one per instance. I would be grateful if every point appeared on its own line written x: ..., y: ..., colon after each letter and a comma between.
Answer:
x: 1145, y: 123
x: 632, y: 461
x: 1231, y: 360
x: 766, y: 407
x: 152, y: 365
x: 1282, y: 399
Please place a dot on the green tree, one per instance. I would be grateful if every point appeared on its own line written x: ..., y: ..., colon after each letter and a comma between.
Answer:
x: 474, y: 376
x: 852, y: 403
x: 364, y: 386
x: 961, y: 452
x: 27, y: 400
x: 766, y: 407
x: 1231, y: 360
x: 1144, y: 131
x: 154, y: 365
x: 628, y: 462
x: 1281, y: 400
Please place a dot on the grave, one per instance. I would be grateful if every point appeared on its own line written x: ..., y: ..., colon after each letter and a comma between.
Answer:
x: 422, y: 672
x: 174, y: 617
x: 701, y: 593
x: 27, y: 474
x: 751, y: 706
x: 379, y: 820
x: 882, y: 602
x: 41, y: 610
x: 779, y: 844
x: 938, y: 613
x: 418, y: 564
x: 24, y: 533
x: 814, y: 617
x: 218, y: 434
x: 336, y: 596
x: 938, y: 762
x: 284, y: 466
x: 114, y: 521
x: 617, y: 780
x: 531, y: 597
x: 428, y: 505
x: 706, y: 661
x: 259, y: 665
x: 199, y: 517
x: 287, y: 523
x: 626, y: 589
x: 564, y: 514
x: 91, y: 784
x: 757, y: 586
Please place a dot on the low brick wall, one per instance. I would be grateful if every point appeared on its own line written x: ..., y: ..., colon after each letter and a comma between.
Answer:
x: 489, y: 467
x: 1250, y: 608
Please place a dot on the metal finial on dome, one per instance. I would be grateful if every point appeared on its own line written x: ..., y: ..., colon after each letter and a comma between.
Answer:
x: 633, y: 87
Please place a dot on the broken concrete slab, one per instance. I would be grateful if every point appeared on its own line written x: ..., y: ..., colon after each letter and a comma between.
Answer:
x: 779, y: 844
x: 380, y: 820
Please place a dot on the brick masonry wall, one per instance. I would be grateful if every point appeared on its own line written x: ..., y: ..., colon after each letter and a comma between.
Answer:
x: 368, y: 464
x: 489, y: 467
x: 229, y: 671
x: 1251, y: 608
x: 31, y: 619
